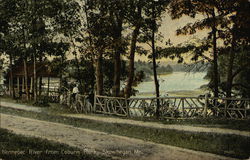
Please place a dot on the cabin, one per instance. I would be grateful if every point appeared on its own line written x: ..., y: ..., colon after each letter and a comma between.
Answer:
x: 47, y: 79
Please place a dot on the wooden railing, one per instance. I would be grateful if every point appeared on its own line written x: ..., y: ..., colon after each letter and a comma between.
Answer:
x: 169, y: 107
x: 174, y: 107
x: 229, y: 107
x: 111, y: 105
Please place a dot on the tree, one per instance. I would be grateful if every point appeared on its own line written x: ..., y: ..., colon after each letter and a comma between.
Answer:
x: 29, y: 33
x: 98, y: 29
x: 7, y: 44
x: 212, y: 19
x: 117, y: 12
x: 136, y: 20
x: 236, y: 38
x: 153, y: 14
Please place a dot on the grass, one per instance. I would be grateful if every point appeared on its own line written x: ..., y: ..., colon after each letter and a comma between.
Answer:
x: 181, y: 93
x: 237, y: 124
x: 20, y: 147
x: 186, y: 93
x: 228, y: 145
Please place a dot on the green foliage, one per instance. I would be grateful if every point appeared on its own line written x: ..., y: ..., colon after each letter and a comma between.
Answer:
x: 227, y: 21
x: 146, y: 68
x: 42, y: 101
x: 240, y: 70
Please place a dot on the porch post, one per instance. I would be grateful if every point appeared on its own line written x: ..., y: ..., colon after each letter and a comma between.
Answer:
x: 48, y: 85
x: 18, y: 85
x: 23, y: 85
x: 10, y: 86
x: 23, y: 89
x: 31, y: 85
x: 40, y: 86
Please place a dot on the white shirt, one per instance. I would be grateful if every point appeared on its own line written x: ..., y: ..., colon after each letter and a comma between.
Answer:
x: 75, y: 90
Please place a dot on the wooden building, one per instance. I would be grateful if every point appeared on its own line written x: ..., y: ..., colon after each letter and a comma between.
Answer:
x: 43, y: 71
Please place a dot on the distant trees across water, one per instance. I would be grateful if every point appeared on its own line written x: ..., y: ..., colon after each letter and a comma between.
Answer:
x: 146, y: 67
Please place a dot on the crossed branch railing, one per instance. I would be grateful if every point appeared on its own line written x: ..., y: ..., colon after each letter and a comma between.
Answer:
x: 174, y: 107
x: 170, y: 107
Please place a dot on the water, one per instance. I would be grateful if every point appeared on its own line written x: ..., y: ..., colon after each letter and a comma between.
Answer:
x: 176, y: 81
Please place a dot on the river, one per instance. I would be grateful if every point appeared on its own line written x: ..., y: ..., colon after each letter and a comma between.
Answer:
x: 175, y: 83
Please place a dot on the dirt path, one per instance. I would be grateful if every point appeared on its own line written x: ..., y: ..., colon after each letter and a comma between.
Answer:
x: 20, y: 106
x: 101, y: 143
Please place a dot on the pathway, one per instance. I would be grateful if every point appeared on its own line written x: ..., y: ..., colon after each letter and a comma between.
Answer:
x: 99, y: 143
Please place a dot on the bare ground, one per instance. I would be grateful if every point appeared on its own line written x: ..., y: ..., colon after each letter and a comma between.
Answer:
x: 99, y: 143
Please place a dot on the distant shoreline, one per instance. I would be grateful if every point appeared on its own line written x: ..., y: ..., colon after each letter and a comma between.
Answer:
x: 181, y: 93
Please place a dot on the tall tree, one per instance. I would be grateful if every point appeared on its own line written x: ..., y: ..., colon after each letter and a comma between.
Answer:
x: 117, y: 12
x: 236, y: 37
x: 7, y: 44
x: 210, y: 21
x: 32, y: 25
x: 137, y: 22
x: 98, y: 29
x: 152, y: 16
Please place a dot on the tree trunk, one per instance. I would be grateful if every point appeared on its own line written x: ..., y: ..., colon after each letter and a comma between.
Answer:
x: 155, y: 78
x: 131, y: 68
x: 25, y: 63
x: 98, y: 59
x: 117, y: 74
x: 34, y: 78
x: 35, y: 27
x: 40, y: 80
x: 61, y: 73
x: 77, y: 61
x: 117, y: 58
x: 215, y: 61
x: 11, y: 87
x: 26, y: 79
x: 230, y: 69
x: 40, y: 85
x: 230, y: 75
x: 48, y: 89
x: 157, y: 113
x: 23, y: 84
x: 99, y: 74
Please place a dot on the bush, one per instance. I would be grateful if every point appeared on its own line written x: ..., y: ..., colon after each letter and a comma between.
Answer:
x: 42, y: 101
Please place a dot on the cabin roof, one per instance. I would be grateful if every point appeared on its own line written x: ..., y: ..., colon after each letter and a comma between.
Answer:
x: 43, y: 69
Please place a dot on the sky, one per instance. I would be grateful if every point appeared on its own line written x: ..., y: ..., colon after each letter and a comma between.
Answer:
x: 168, y: 30
x: 169, y: 27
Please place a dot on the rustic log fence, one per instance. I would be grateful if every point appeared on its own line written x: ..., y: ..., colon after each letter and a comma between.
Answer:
x: 229, y: 107
x: 174, y: 107
x: 111, y: 105
x: 170, y: 107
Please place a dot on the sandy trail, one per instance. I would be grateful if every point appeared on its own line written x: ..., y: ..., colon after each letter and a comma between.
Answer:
x: 100, y: 143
